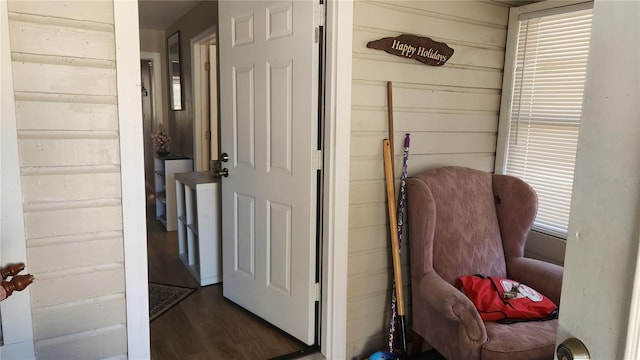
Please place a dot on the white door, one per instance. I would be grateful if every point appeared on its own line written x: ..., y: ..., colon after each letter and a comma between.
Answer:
x: 268, y: 101
x: 601, y: 257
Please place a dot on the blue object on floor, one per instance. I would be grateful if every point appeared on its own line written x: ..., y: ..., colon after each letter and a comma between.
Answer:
x: 382, y: 355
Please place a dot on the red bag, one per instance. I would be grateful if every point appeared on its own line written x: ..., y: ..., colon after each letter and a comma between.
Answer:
x: 505, y: 300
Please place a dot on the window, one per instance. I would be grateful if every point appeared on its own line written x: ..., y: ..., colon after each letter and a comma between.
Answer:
x: 544, y: 77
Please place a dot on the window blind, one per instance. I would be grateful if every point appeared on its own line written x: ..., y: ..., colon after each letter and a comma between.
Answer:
x: 546, y: 108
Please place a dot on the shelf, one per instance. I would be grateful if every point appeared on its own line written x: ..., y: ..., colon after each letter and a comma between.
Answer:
x: 193, y: 228
x: 198, y: 206
x: 164, y: 169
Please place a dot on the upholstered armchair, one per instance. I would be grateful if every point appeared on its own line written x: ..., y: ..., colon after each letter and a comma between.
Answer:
x: 464, y: 222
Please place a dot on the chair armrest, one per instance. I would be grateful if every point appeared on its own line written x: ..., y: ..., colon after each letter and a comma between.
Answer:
x: 453, y: 305
x: 539, y: 275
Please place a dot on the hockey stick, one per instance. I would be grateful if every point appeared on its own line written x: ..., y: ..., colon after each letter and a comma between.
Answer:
x: 402, y: 200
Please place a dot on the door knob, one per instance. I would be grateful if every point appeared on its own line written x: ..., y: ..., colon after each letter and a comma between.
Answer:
x: 220, y: 173
x: 573, y: 349
x: 224, y: 157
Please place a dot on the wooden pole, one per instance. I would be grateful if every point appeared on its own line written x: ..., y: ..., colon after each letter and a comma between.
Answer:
x: 393, y: 226
x: 390, y: 134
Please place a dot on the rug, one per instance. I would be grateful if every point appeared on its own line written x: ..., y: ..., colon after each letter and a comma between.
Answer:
x: 163, y: 297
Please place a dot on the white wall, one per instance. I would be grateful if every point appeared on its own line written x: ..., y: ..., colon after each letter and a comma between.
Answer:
x: 450, y: 111
x: 201, y: 17
x: 603, y: 227
x: 66, y: 111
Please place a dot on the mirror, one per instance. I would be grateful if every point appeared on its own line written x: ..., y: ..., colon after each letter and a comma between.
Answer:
x: 175, y: 85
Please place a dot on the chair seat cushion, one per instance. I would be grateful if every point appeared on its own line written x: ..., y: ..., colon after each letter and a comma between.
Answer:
x: 532, y: 340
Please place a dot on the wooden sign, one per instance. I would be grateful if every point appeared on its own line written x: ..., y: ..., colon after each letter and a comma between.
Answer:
x: 421, y: 48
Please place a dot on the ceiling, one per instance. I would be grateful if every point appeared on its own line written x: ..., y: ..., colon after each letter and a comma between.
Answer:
x: 159, y: 14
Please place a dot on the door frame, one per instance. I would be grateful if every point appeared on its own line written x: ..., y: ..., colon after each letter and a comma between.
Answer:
x: 156, y: 89
x: 17, y: 329
x: 197, y: 44
x: 156, y: 103
x: 339, y: 28
x: 337, y: 140
x: 134, y: 222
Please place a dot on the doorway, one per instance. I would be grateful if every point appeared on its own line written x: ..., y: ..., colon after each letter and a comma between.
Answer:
x: 207, y: 325
x: 205, y: 98
x: 335, y: 196
x: 148, y: 105
x: 152, y: 113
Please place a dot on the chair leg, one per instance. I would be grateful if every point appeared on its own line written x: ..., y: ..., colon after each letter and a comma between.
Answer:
x: 416, y: 344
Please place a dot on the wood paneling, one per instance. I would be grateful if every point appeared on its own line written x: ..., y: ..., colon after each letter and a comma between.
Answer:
x: 388, y: 16
x: 370, y: 169
x: 82, y: 252
x: 419, y: 97
x: 63, y: 59
x: 375, y: 120
x: 451, y: 112
x: 105, y: 342
x: 72, y: 218
x: 88, y: 282
x: 65, y: 151
x: 66, y: 113
x: 64, y: 38
x: 417, y: 73
x: 63, y: 79
x: 68, y: 186
x: 369, y: 145
x: 55, y: 321
x: 100, y: 11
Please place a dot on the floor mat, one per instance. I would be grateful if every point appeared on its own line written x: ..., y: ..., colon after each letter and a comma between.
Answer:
x: 163, y: 297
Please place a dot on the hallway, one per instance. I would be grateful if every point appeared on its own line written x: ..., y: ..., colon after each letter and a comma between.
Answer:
x: 204, y: 325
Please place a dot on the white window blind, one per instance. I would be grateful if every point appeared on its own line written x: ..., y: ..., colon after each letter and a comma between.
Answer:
x: 546, y: 108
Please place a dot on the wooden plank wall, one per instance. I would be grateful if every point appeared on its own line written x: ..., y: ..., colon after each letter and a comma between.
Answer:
x: 63, y: 57
x: 450, y: 111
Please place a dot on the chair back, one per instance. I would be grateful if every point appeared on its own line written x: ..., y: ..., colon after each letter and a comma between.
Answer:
x: 453, y: 225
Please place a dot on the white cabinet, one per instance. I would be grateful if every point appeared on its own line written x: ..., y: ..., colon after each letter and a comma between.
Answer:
x: 199, y: 219
x: 165, y: 167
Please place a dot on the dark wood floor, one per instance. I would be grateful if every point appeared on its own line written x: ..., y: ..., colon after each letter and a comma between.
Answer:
x: 204, y: 325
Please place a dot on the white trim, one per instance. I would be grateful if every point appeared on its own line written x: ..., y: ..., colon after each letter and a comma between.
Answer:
x: 16, y: 311
x: 507, y: 92
x: 545, y: 247
x: 23, y: 350
x: 127, y: 39
x: 339, y: 30
x: 156, y: 89
x: 200, y: 87
x: 556, y: 10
